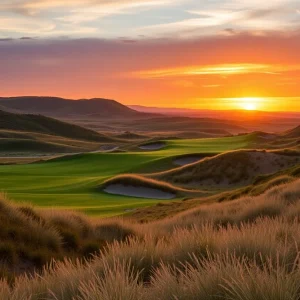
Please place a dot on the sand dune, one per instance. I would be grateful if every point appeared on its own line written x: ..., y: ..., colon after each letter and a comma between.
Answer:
x: 229, y: 169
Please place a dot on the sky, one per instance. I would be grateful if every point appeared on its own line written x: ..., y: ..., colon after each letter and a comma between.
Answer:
x: 206, y: 54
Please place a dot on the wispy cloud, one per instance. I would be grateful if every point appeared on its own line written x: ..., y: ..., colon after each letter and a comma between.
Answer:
x: 32, y: 7
x: 228, y: 20
x: 133, y: 18
x: 68, y: 17
x: 24, y: 25
x: 221, y: 69
x: 172, y: 71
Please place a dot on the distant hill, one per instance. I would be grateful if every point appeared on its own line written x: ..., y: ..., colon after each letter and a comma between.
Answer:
x: 66, y: 108
x: 127, y: 135
x: 293, y: 133
x: 100, y: 113
x: 252, y: 120
x: 214, y: 127
x: 46, y: 125
x: 209, y: 113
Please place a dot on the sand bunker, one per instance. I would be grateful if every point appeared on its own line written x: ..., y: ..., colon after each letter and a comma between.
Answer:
x: 139, y: 192
x: 182, y: 161
x: 153, y: 146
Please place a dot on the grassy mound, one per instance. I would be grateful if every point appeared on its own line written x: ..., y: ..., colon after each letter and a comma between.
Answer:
x: 25, y: 146
x: 229, y: 169
x: 293, y: 133
x: 261, y: 184
x: 42, y: 124
x: 31, y: 238
x: 131, y: 136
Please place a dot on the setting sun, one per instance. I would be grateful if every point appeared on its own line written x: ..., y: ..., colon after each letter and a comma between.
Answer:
x: 250, y: 106
x: 250, y: 103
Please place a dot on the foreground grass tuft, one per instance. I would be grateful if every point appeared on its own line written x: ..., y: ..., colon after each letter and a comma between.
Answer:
x: 244, y: 249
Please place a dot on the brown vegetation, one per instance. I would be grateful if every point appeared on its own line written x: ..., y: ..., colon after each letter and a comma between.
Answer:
x: 244, y: 249
x: 229, y: 169
x: 31, y: 238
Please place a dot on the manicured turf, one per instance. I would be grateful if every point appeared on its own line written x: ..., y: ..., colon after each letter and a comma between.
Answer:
x: 72, y: 181
x: 210, y: 145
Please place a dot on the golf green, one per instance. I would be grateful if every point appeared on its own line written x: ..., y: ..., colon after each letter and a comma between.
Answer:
x: 71, y: 182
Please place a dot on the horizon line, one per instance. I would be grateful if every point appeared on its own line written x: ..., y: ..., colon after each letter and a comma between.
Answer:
x: 174, y: 107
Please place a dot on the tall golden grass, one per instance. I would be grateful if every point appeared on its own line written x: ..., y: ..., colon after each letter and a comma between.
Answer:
x: 246, y: 249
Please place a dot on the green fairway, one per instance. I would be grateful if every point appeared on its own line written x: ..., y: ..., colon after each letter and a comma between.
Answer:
x: 71, y: 182
x: 209, y: 145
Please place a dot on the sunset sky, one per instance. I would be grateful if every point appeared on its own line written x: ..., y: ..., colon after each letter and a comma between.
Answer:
x: 208, y: 54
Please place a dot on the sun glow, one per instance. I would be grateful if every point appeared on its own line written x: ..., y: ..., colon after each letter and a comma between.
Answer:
x: 249, y: 103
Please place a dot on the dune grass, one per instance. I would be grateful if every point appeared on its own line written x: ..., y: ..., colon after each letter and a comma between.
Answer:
x: 232, y: 168
x: 30, y: 238
x: 244, y: 249
x: 168, y: 209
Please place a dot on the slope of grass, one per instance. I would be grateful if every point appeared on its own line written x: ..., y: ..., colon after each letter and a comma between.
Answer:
x: 244, y: 249
x: 210, y: 145
x: 42, y: 124
x: 30, y: 238
x: 24, y: 146
x: 293, y: 133
x: 261, y: 185
x: 32, y: 143
x: 35, y: 134
x: 127, y: 135
x: 229, y: 169
x: 71, y: 181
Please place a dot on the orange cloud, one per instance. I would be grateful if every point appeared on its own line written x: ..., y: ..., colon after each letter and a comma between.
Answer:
x: 220, y: 69
x: 184, y: 73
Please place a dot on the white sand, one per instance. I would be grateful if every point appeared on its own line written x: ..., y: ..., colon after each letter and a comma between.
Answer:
x: 139, y: 192
x: 153, y: 146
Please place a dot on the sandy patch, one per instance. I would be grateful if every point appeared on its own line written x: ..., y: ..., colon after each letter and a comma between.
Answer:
x: 153, y: 146
x: 139, y: 192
